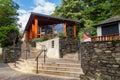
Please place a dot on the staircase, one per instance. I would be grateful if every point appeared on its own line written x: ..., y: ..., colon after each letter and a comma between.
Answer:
x: 65, y: 68
x: 30, y: 51
x: 53, y: 67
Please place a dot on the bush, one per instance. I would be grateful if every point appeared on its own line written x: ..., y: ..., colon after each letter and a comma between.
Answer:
x: 61, y: 34
x: 5, y: 31
x: 41, y: 39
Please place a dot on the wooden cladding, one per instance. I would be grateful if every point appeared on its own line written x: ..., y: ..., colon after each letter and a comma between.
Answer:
x: 65, y: 29
x: 36, y: 31
x: 74, y: 30
x: 36, y: 28
x: 106, y: 37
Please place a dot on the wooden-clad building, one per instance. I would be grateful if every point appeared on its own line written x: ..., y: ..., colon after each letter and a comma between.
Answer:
x: 40, y: 25
x: 108, y: 29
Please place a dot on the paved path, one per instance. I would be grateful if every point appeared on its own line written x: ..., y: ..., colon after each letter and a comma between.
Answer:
x: 6, y: 73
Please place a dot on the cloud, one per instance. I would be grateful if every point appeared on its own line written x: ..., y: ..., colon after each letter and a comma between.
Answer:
x: 41, y: 6
x: 47, y: 8
x: 23, y: 18
x: 39, y: 2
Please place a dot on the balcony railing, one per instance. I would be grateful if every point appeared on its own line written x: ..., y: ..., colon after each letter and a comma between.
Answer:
x: 106, y: 37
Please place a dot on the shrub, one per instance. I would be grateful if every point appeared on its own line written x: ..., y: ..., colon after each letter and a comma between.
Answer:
x: 5, y: 31
x: 41, y: 39
x: 61, y: 34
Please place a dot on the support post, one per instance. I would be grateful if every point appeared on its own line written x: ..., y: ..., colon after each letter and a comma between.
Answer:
x: 30, y: 36
x: 74, y: 30
x: 65, y: 29
x: 40, y: 31
x: 36, y: 28
x: 33, y: 30
x: 53, y: 31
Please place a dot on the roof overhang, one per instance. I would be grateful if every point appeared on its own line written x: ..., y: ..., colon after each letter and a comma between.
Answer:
x: 48, y: 20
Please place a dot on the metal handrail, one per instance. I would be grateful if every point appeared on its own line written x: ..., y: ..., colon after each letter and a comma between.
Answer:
x: 37, y: 57
x: 27, y: 51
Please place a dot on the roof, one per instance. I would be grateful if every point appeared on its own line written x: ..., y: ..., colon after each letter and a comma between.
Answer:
x: 48, y: 20
x: 110, y: 20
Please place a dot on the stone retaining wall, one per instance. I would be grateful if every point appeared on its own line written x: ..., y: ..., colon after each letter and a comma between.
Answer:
x: 100, y: 60
x: 68, y: 46
x: 11, y: 54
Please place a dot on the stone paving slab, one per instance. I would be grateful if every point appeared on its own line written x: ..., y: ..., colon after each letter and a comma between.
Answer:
x: 6, y: 73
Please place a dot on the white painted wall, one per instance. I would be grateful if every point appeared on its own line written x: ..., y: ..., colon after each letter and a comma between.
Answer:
x: 119, y: 26
x: 51, y: 52
x: 99, y: 31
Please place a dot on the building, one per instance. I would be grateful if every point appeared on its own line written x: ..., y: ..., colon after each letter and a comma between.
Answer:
x: 40, y: 25
x: 109, y: 26
x: 43, y: 25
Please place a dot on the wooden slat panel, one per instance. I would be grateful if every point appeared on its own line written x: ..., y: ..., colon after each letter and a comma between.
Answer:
x: 106, y: 37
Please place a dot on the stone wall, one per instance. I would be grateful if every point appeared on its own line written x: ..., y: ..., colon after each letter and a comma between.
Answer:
x: 11, y: 54
x: 100, y: 60
x: 69, y: 46
x: 62, y: 47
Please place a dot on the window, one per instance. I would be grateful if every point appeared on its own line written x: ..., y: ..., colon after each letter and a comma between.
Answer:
x: 52, y: 44
x: 110, y: 29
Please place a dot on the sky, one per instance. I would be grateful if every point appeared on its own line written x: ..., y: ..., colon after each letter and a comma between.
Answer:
x: 39, y: 6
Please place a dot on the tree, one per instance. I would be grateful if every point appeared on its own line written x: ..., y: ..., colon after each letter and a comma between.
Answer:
x: 8, y: 21
x: 115, y: 5
x: 88, y: 12
x: 8, y: 12
x: 71, y: 9
x: 5, y: 39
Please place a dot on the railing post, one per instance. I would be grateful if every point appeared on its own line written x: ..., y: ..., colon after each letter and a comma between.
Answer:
x: 44, y: 49
x: 37, y: 65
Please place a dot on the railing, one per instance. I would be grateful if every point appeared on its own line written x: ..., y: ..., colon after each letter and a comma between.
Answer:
x: 37, y: 57
x: 106, y: 37
x: 27, y: 51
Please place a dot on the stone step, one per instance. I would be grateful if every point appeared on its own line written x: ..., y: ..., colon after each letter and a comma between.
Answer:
x: 63, y: 68
x: 53, y: 67
x: 73, y: 69
x: 60, y: 73
x: 55, y: 64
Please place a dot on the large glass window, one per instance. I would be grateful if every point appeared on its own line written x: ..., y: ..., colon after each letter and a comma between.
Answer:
x: 58, y: 28
x: 110, y: 29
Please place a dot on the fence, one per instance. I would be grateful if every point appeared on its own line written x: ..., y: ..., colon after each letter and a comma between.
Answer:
x: 106, y: 37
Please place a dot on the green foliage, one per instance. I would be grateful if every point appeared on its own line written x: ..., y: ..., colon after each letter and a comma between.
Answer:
x: 41, y: 39
x: 61, y: 34
x: 8, y: 12
x: 8, y: 19
x: 88, y: 12
x: 4, y: 34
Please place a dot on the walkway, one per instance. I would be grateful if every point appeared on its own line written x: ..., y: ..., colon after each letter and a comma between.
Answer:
x: 6, y: 73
